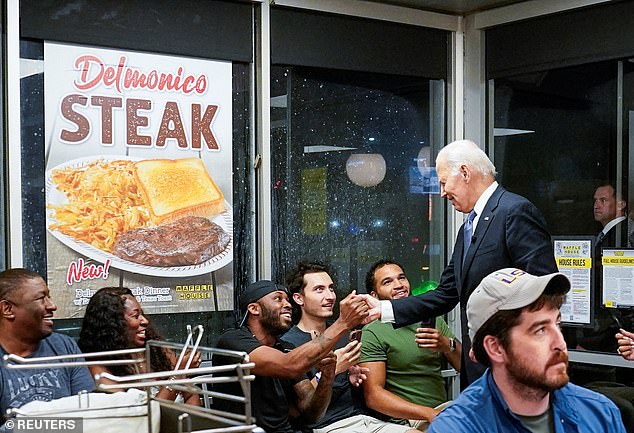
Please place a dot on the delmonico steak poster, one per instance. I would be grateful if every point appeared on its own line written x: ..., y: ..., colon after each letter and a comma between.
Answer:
x: 138, y: 178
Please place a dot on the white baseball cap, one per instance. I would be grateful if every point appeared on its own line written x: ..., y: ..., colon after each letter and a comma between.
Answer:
x: 509, y: 289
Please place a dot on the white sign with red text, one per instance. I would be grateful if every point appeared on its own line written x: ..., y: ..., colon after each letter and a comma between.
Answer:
x: 109, y: 105
x: 115, y: 102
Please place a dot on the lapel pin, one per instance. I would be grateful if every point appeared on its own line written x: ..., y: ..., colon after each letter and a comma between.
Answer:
x: 486, y: 218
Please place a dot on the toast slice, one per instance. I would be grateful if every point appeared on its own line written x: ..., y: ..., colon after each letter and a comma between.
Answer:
x: 175, y: 188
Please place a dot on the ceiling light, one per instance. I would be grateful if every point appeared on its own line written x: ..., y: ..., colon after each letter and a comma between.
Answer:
x: 366, y: 169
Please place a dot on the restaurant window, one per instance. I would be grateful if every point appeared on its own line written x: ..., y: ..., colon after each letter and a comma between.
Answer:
x: 184, y: 103
x: 562, y: 138
x: 353, y: 177
x: 355, y: 129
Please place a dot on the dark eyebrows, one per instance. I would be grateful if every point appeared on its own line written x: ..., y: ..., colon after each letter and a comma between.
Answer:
x: 386, y: 279
x: 539, y: 324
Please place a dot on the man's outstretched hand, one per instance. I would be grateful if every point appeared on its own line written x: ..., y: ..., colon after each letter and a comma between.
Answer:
x: 374, y: 308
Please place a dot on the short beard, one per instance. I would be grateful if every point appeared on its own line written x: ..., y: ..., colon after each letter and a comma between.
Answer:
x: 272, y: 322
x: 534, y: 384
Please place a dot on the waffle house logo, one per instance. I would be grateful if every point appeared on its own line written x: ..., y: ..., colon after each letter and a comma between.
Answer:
x: 572, y: 249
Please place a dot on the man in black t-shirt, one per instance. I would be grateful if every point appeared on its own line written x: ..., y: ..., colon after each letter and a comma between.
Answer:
x: 281, y: 388
x: 312, y: 290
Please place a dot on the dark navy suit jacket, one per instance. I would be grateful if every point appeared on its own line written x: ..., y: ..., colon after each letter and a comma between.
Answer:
x: 511, y: 232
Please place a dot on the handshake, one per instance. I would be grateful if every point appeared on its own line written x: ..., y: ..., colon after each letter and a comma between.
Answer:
x: 360, y: 309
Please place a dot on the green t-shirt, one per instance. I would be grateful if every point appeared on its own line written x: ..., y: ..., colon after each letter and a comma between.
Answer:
x: 412, y: 373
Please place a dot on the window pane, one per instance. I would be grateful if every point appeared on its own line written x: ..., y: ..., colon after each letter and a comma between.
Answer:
x: 33, y: 167
x: 352, y: 177
x: 567, y: 146
x: 558, y: 142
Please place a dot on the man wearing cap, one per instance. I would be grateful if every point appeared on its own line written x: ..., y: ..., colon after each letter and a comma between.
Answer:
x: 514, y: 323
x: 281, y: 387
x: 502, y: 229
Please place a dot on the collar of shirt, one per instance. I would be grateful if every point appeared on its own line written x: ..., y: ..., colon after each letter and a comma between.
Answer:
x: 482, y: 202
x: 611, y: 224
x: 497, y: 396
x: 563, y: 412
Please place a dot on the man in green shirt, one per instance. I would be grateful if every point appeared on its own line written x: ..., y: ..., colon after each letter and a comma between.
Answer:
x: 404, y: 380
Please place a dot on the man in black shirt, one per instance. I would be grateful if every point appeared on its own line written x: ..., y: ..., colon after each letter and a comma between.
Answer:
x: 313, y: 292
x: 281, y: 388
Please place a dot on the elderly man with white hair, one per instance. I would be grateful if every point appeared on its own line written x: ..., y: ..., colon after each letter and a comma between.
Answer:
x: 501, y: 230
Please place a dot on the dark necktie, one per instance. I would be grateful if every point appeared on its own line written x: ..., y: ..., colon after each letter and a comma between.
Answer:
x: 600, y: 237
x: 468, y: 233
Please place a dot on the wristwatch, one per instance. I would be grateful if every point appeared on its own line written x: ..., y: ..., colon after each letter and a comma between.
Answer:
x: 452, y: 344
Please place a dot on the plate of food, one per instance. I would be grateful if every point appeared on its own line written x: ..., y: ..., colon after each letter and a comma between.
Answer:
x: 160, y: 217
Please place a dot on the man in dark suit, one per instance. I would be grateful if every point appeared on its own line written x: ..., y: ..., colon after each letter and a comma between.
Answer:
x: 502, y: 230
x: 610, y: 210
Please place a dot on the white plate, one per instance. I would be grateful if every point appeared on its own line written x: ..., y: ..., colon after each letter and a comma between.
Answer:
x: 57, y: 198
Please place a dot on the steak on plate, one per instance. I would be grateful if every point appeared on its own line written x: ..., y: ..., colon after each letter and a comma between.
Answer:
x: 184, y: 242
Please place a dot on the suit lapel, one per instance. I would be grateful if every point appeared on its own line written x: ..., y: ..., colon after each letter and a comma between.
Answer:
x: 484, y: 222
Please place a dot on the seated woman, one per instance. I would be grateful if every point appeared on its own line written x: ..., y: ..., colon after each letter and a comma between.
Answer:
x: 114, y: 320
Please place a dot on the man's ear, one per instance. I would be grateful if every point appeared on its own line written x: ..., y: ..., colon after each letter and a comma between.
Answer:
x: 465, y: 172
x: 374, y: 294
x: 7, y: 309
x: 494, y: 349
x: 298, y: 298
x: 620, y: 207
x: 254, y: 309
